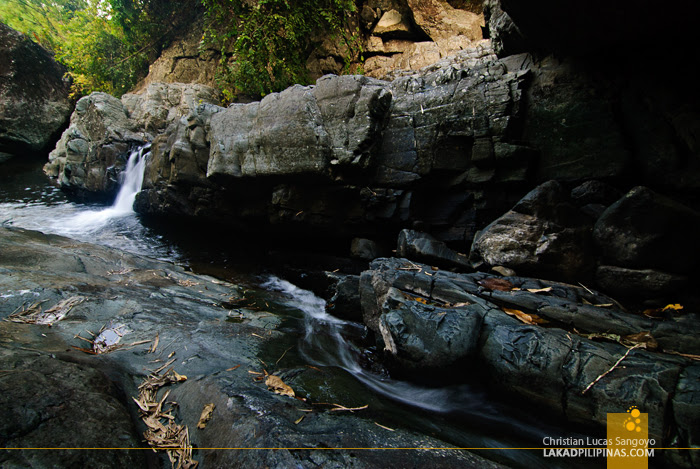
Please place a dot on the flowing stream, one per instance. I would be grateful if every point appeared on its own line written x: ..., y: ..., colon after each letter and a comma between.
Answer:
x: 463, y: 414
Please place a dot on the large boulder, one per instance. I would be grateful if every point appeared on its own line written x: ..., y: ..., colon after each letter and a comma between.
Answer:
x: 35, y: 101
x: 544, y: 234
x: 645, y: 229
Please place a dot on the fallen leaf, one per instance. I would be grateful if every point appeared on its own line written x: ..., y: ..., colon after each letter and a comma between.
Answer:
x: 206, y: 415
x: 385, y: 428
x: 155, y: 344
x: 233, y: 368
x: 275, y: 384
x: 179, y: 377
x: 602, y: 335
x: 643, y: 339
x: 673, y: 307
x: 493, y: 283
x: 539, y: 290
x: 296, y: 422
x: 524, y: 317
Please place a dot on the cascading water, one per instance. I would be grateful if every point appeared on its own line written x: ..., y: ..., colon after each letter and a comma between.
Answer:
x: 324, y: 344
x: 39, y: 206
x: 132, y: 179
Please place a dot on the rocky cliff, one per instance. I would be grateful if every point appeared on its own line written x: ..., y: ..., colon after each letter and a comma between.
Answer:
x: 34, y: 96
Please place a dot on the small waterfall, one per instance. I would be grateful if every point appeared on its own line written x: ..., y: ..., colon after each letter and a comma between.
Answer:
x: 93, y: 220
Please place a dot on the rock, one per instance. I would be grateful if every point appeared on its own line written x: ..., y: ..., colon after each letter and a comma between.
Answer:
x: 365, y: 249
x: 422, y: 247
x: 35, y: 101
x: 638, y: 284
x: 205, y: 323
x: 393, y: 24
x: 648, y: 230
x: 439, y: 20
x: 53, y: 402
x: 594, y: 192
x: 104, y: 130
x: 504, y: 34
x: 429, y: 337
x: 184, y: 61
x: 415, y: 314
x: 544, y: 234
x: 345, y: 300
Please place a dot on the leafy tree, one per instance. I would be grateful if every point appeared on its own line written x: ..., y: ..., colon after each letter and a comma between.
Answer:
x: 265, y: 43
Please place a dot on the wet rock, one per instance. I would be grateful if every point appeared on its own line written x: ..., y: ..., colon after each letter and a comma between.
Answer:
x: 544, y: 234
x: 550, y: 366
x: 647, y: 230
x: 423, y: 247
x: 639, y: 284
x: 345, y: 298
x: 34, y: 96
x: 204, y: 326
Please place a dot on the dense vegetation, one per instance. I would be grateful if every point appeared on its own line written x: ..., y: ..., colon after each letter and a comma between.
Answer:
x: 107, y: 45
x: 264, y: 44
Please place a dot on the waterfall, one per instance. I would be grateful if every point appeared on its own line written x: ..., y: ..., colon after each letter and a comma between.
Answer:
x: 93, y: 220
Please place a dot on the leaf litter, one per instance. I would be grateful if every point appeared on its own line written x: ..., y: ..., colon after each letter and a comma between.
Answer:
x: 34, y: 314
x: 162, y: 433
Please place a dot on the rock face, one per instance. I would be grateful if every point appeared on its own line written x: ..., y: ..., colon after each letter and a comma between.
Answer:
x: 444, y: 318
x: 34, y: 96
x: 103, y: 130
x: 349, y: 156
x: 54, y: 395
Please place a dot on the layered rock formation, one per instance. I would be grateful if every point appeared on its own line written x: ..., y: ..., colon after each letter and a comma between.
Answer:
x: 34, y: 95
x: 349, y: 156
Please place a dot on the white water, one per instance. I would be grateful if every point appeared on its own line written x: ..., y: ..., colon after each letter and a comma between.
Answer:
x: 28, y: 201
x: 123, y: 206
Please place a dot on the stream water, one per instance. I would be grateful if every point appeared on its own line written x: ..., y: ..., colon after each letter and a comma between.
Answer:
x: 461, y: 414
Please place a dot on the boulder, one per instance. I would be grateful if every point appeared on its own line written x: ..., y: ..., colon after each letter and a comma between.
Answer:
x: 638, y: 284
x: 504, y: 34
x: 439, y: 20
x: 423, y: 247
x: 544, y: 234
x: 645, y: 229
x: 35, y: 101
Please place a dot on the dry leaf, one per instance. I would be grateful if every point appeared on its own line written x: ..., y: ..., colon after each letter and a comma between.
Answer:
x: 296, y: 422
x: 643, y: 339
x: 233, y: 368
x: 658, y: 312
x: 524, y: 317
x: 179, y: 377
x: 207, y: 413
x: 155, y: 344
x: 673, y: 307
x: 275, y: 384
x: 493, y: 283
x: 539, y: 290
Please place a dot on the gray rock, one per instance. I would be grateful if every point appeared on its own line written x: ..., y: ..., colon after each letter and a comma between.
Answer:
x: 648, y: 230
x: 543, y: 235
x: 345, y: 299
x: 414, y: 313
x: 638, y: 284
x: 504, y: 34
x: 34, y: 96
x: 423, y: 247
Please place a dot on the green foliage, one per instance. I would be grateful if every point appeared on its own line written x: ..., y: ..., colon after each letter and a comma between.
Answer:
x: 107, y: 45
x: 265, y: 43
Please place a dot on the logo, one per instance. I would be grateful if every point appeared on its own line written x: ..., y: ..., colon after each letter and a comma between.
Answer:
x: 628, y: 440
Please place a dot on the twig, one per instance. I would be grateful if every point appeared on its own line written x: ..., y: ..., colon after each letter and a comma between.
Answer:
x: 613, y: 367
x: 285, y: 353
